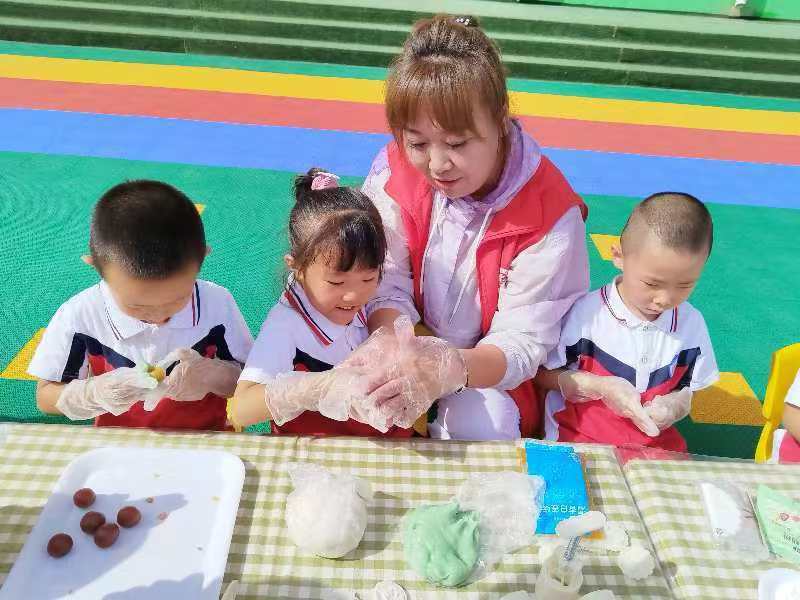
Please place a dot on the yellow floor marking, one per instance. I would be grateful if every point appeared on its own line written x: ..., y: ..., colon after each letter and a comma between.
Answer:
x: 730, y: 401
x: 17, y: 368
x: 604, y: 243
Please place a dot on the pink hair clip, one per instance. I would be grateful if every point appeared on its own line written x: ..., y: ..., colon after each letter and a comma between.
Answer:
x: 323, y: 180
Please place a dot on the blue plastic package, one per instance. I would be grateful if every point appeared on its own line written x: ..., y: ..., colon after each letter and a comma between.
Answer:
x: 565, y: 492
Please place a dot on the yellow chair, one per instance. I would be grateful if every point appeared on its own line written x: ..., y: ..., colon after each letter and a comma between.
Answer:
x: 785, y: 364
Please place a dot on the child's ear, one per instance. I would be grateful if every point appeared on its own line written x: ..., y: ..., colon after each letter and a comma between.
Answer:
x: 87, y: 258
x: 289, y: 260
x: 616, y: 255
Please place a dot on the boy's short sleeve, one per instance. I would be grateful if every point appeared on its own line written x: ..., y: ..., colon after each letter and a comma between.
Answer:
x: 273, y: 351
x: 705, y: 371
x: 793, y: 395
x: 239, y: 338
x: 60, y: 356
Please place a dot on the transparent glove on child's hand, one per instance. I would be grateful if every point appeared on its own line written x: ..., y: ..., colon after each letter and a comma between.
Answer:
x: 113, y: 392
x: 670, y: 408
x: 331, y: 393
x: 195, y: 376
x: 618, y: 394
x: 192, y: 377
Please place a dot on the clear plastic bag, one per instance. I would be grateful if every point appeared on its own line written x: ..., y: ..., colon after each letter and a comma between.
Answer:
x: 732, y: 522
x: 509, y: 504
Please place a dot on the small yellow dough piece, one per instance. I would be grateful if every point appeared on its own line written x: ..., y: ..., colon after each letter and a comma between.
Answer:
x: 156, y: 373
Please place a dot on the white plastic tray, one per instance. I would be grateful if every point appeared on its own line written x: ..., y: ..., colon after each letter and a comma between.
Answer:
x: 178, y: 550
x: 779, y: 584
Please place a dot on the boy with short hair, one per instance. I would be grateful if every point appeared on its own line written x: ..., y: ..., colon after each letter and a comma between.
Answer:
x: 147, y: 243
x: 632, y: 353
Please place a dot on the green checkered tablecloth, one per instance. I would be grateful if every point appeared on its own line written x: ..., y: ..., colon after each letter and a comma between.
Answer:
x: 404, y: 474
x: 669, y: 500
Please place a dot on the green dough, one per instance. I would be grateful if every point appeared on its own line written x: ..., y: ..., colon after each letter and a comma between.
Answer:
x: 441, y: 543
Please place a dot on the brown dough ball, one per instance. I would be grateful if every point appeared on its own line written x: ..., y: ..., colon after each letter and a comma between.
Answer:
x: 106, y: 535
x: 91, y: 521
x: 59, y: 545
x: 84, y: 497
x: 129, y: 516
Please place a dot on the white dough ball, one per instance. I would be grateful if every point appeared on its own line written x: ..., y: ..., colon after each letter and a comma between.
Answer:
x: 388, y: 590
x: 326, y: 518
x: 636, y: 562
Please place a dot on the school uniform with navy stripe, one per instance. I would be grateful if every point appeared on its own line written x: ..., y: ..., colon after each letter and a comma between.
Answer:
x: 602, y: 336
x: 89, y: 334
x: 295, y: 336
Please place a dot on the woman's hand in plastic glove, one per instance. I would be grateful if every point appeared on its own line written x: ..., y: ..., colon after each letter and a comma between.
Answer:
x: 375, y: 356
x: 618, y: 394
x: 195, y: 376
x: 113, y: 392
x: 423, y: 370
x: 670, y: 408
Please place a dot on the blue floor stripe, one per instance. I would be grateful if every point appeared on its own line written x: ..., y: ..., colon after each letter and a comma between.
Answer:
x: 348, y: 153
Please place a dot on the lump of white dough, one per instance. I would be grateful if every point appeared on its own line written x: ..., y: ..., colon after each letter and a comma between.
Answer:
x: 388, y: 590
x: 636, y: 562
x: 615, y: 538
x: 326, y: 514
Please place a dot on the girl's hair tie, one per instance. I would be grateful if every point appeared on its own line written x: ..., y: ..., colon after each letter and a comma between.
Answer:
x: 324, y: 180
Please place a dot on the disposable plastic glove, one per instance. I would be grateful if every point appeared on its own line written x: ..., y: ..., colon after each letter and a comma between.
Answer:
x: 331, y: 393
x: 422, y: 370
x: 618, y: 394
x: 113, y: 392
x: 670, y: 408
x: 376, y: 356
x: 195, y: 376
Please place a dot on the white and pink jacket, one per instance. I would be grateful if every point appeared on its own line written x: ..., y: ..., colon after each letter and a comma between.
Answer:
x: 501, y: 270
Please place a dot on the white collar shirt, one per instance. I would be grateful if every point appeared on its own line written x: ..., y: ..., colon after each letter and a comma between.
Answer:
x: 90, y: 325
x: 295, y: 336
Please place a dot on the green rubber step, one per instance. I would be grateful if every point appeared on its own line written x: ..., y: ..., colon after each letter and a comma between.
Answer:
x: 628, y: 26
x: 540, y: 42
x: 205, y: 22
x: 534, y: 45
x: 623, y: 25
x: 548, y: 68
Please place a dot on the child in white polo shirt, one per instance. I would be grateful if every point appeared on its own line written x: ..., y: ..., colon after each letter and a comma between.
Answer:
x: 147, y: 243
x: 337, y: 249
x: 632, y: 353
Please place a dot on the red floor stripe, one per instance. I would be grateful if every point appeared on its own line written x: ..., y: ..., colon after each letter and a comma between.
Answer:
x: 352, y: 116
